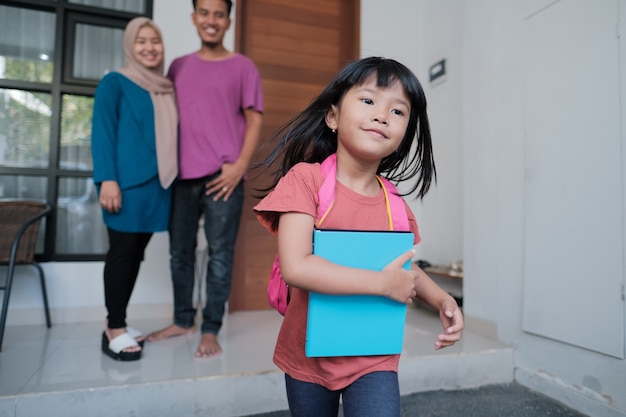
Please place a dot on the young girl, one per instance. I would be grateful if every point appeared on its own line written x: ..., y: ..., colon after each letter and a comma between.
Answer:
x: 369, y: 115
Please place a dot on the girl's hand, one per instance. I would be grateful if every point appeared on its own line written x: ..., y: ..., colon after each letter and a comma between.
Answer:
x: 400, y: 283
x: 110, y: 196
x: 452, y: 321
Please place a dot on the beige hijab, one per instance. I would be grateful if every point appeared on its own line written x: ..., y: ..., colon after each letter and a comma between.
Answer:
x: 161, y: 91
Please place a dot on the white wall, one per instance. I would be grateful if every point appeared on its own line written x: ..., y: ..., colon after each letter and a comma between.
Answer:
x: 494, y: 139
x: 418, y: 43
x: 480, y: 108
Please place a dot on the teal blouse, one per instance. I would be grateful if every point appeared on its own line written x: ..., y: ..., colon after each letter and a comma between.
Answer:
x: 124, y: 150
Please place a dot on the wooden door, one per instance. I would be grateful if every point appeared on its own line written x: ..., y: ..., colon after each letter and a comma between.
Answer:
x: 298, y: 47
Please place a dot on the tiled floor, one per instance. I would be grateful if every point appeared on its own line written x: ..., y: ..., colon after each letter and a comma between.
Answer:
x: 67, y: 357
x: 35, y: 359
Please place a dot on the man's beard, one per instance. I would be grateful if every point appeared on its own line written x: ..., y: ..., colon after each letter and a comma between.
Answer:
x: 211, y: 44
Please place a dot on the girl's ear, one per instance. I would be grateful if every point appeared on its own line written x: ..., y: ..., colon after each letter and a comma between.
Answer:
x: 331, y: 117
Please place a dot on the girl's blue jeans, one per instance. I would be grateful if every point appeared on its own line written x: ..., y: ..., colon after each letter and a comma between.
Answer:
x: 221, y: 225
x: 373, y: 395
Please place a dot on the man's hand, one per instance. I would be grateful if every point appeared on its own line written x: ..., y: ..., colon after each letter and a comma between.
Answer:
x: 225, y: 183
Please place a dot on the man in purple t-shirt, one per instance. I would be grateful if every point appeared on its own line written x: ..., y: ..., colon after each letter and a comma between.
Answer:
x: 220, y: 102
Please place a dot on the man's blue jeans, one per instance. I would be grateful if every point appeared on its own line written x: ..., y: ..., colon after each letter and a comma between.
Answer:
x: 376, y: 394
x: 221, y: 225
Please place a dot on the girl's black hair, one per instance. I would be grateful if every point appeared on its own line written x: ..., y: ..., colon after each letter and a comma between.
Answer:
x: 307, y: 138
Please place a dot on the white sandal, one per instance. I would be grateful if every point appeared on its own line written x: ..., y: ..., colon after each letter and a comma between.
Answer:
x: 136, y: 334
x: 115, y: 348
x: 132, y: 332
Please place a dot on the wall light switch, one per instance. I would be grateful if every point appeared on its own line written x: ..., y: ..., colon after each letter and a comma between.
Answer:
x: 437, y: 70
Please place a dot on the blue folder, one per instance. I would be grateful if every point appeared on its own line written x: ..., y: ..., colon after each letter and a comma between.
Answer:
x: 356, y: 325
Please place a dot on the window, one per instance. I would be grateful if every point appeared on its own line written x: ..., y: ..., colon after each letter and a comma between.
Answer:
x: 27, y: 44
x: 94, y: 48
x: 53, y: 53
x: 25, y: 119
x: 133, y: 6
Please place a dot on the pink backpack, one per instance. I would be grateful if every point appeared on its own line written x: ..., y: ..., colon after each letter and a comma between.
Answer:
x: 277, y: 289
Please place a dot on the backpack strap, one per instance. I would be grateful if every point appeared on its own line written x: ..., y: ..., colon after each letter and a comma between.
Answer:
x: 326, y: 193
x: 396, y: 212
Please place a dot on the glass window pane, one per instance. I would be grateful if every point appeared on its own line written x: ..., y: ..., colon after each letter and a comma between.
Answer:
x: 23, y: 187
x: 76, y: 132
x: 97, y: 50
x: 134, y: 6
x: 80, y: 229
x: 26, y: 44
x: 24, y: 128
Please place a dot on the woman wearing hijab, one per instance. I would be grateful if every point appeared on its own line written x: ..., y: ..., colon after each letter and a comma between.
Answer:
x: 134, y: 153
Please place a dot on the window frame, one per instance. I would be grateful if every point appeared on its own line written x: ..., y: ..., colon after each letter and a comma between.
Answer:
x: 71, y: 23
x: 67, y: 16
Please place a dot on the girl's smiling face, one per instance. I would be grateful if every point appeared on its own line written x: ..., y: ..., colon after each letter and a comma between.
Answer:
x: 148, y: 48
x: 371, y: 120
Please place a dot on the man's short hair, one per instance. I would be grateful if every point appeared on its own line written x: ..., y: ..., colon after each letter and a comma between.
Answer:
x: 229, y: 5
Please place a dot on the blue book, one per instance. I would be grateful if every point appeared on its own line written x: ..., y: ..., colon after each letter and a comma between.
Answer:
x: 357, y: 325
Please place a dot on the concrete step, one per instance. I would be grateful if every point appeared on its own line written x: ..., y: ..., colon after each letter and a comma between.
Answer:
x: 168, y: 381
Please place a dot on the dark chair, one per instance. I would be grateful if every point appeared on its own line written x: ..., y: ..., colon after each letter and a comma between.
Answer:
x: 19, y: 226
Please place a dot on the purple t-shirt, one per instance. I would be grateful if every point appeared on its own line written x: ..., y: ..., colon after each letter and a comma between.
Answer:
x: 211, y: 97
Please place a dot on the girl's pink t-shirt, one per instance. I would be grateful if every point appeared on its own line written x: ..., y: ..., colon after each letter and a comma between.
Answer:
x: 297, y: 192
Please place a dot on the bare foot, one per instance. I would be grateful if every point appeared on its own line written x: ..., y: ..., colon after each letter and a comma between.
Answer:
x: 170, y: 331
x: 208, y: 347
x: 113, y: 333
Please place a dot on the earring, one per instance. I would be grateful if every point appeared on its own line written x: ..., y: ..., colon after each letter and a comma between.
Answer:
x: 334, y: 131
